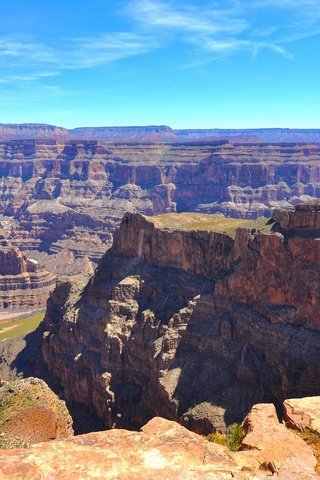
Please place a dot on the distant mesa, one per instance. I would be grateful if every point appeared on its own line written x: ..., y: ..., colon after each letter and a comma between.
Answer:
x: 157, y: 133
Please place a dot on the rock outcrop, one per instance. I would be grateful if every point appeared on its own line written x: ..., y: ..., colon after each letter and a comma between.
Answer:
x: 61, y: 195
x: 31, y: 413
x: 269, y: 445
x: 301, y: 413
x: 165, y: 450
x: 24, y: 285
x: 194, y: 326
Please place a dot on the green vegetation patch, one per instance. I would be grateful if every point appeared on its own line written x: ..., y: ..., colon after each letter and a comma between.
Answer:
x: 206, y: 222
x: 232, y: 440
x: 20, y: 326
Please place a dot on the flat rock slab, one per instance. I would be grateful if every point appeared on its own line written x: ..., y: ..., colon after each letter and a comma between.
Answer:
x: 271, y: 446
x: 163, y: 450
x: 302, y: 412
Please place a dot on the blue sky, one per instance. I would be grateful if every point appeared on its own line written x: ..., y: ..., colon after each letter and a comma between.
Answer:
x: 187, y: 64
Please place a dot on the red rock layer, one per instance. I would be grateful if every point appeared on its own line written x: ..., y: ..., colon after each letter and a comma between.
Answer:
x: 165, y: 450
x: 24, y: 285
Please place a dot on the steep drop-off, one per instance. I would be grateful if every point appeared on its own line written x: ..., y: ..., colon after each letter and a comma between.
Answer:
x: 67, y: 195
x: 194, y: 326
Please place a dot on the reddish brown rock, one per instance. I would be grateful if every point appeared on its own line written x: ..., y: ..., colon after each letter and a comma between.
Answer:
x: 31, y: 413
x: 272, y: 447
x: 194, y: 326
x: 24, y: 285
x: 164, y: 450
x: 71, y: 194
x: 302, y: 413
x: 302, y: 218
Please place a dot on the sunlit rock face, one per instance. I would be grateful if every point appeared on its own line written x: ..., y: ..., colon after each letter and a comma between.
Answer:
x: 24, y: 285
x: 194, y: 326
x: 165, y: 450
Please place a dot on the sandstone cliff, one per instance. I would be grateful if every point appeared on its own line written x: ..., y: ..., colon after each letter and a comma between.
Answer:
x: 192, y: 325
x: 69, y: 195
x: 24, y: 285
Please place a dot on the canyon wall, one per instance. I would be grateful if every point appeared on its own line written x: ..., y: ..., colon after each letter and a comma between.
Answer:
x: 69, y: 196
x: 194, y: 326
x: 24, y: 285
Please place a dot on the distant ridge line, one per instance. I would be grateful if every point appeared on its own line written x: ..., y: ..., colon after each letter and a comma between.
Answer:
x: 157, y: 133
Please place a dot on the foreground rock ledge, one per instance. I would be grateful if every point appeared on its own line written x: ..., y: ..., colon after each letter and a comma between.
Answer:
x: 31, y: 413
x: 163, y: 450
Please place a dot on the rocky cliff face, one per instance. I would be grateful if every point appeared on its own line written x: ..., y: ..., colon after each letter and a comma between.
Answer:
x: 195, y: 326
x: 24, y: 285
x: 69, y: 195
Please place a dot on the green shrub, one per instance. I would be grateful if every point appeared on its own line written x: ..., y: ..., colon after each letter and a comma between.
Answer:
x: 235, y: 437
x: 232, y: 440
x: 218, y: 437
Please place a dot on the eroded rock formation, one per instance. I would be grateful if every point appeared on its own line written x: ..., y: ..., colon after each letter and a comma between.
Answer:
x: 69, y: 195
x: 194, y: 326
x: 24, y: 285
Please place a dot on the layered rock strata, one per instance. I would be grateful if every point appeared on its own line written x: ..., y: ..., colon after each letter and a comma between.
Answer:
x: 165, y: 450
x: 24, y: 285
x: 71, y: 194
x: 194, y: 326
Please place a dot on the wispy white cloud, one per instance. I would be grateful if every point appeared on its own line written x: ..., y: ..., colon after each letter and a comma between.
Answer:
x: 91, y: 52
x: 217, y: 28
x: 27, y: 61
x: 226, y: 27
x: 210, y: 30
x: 189, y: 18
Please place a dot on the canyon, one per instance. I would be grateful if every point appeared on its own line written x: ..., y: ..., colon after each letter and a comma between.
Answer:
x: 61, y: 200
x: 192, y: 319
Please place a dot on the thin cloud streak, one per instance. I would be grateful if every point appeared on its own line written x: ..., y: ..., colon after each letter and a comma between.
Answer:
x: 31, y: 58
x: 218, y: 31
x: 160, y: 15
x: 209, y: 30
x: 231, y: 28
